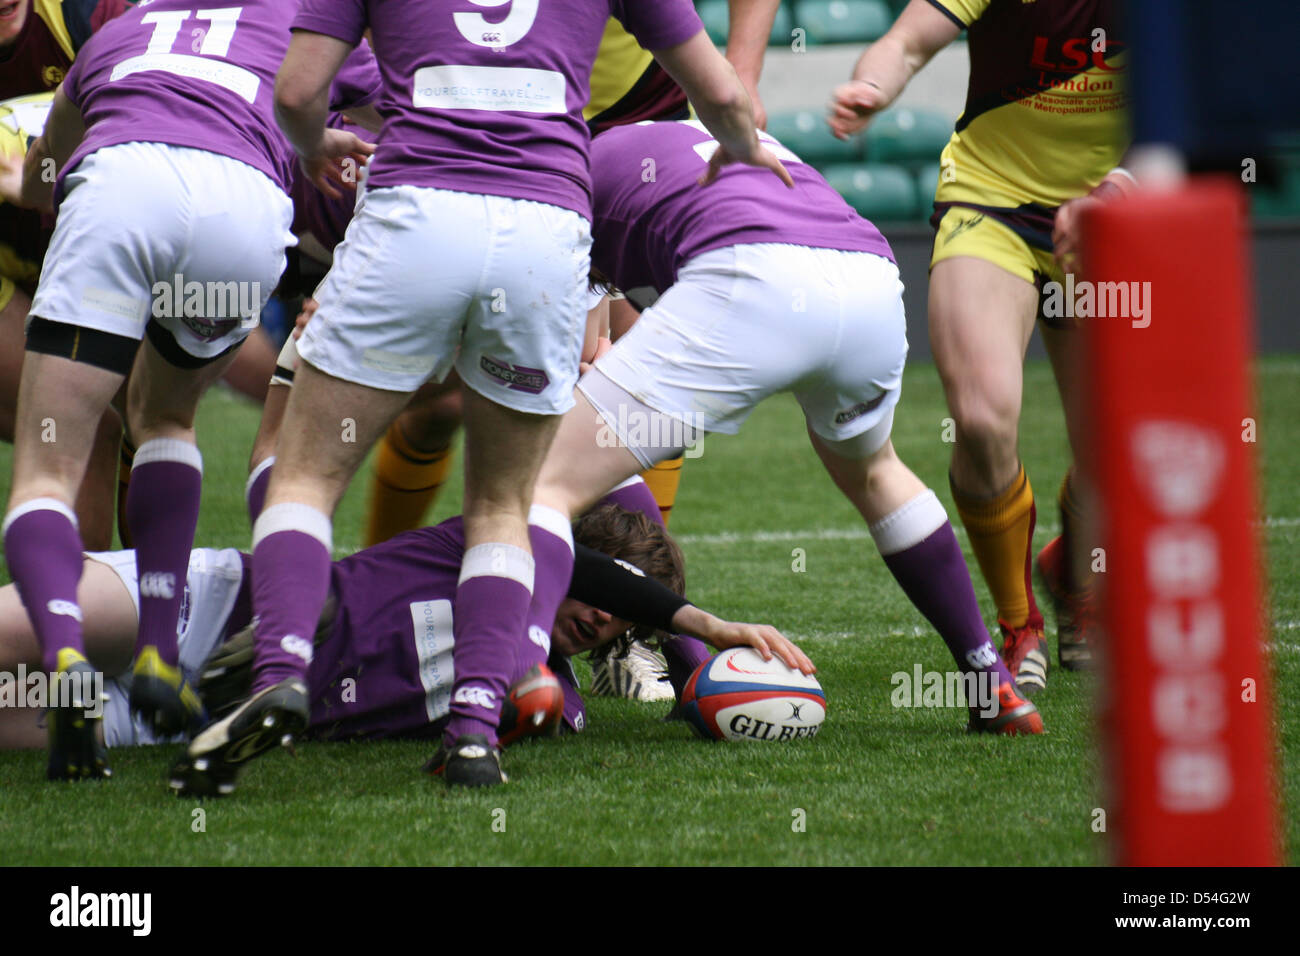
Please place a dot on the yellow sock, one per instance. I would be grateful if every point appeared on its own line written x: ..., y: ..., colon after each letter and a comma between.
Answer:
x: 663, y: 479
x: 405, y: 483
x: 1001, y: 533
x: 125, y: 459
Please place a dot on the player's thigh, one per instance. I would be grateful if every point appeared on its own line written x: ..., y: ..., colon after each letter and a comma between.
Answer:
x: 588, y: 457
x: 524, y: 333
x: 60, y: 404
x: 981, y: 317
x: 166, y: 385
x: 392, y: 308
x: 13, y: 316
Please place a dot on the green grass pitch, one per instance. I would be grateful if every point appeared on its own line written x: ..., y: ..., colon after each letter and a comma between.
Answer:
x: 879, y: 785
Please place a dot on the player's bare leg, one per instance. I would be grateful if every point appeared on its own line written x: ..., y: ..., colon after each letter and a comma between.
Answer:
x: 579, y: 468
x: 916, y: 540
x: 981, y: 318
x: 162, y: 400
x: 253, y: 366
x: 262, y: 457
x: 94, y: 502
x: 59, y: 405
x: 1065, y: 563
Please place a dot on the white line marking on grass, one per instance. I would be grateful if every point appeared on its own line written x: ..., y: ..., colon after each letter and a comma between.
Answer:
x: 859, y: 533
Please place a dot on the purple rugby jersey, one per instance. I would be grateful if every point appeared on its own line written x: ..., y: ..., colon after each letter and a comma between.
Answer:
x: 485, y: 100
x: 395, y: 603
x: 646, y: 227
x: 205, y: 79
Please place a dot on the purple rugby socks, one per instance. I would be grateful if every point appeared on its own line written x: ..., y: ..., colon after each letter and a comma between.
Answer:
x: 162, y: 510
x: 921, y: 551
x: 43, y: 548
x: 292, y: 550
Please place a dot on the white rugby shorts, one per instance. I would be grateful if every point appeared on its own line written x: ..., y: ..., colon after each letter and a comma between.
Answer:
x: 427, y: 279
x: 189, y: 238
x: 744, y: 322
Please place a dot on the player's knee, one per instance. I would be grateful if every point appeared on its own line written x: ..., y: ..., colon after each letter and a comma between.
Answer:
x: 983, y: 415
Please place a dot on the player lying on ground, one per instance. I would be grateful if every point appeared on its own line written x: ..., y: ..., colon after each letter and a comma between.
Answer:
x: 384, y: 651
x: 764, y: 290
x: 147, y: 164
x: 1041, y: 136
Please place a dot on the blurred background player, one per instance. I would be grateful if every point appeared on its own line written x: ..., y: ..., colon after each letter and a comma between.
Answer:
x: 147, y: 163
x: 1042, y: 134
x: 736, y: 265
x: 409, y: 296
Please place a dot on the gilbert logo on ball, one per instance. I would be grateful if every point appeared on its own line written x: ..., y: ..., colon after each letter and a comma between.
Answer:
x: 736, y: 695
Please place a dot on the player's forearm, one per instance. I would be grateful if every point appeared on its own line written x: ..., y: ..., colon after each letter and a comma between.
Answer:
x: 302, y: 88
x: 887, y: 66
x: 917, y: 35
x: 750, y: 26
x: 302, y: 121
x: 715, y: 90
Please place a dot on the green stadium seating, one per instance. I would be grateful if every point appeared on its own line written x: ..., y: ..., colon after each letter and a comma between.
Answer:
x: 805, y: 132
x: 927, y: 181
x: 715, y: 16
x: 908, y: 136
x: 843, y: 21
x: 880, y: 192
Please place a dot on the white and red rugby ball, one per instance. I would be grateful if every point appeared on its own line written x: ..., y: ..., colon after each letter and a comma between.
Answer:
x: 736, y: 695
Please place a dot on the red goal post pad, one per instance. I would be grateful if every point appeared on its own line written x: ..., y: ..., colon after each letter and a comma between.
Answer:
x: 1187, y: 709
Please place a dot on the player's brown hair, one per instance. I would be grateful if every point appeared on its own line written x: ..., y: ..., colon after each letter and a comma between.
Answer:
x: 632, y: 537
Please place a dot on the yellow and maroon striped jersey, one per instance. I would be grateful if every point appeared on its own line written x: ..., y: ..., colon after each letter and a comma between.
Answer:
x: 1044, y: 120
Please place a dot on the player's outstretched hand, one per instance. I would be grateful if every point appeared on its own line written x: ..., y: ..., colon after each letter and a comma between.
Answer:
x: 337, y: 161
x: 761, y: 157
x: 852, y: 106
x: 764, y: 638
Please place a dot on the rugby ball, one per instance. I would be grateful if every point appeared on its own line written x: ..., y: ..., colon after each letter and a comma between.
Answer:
x: 736, y: 695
